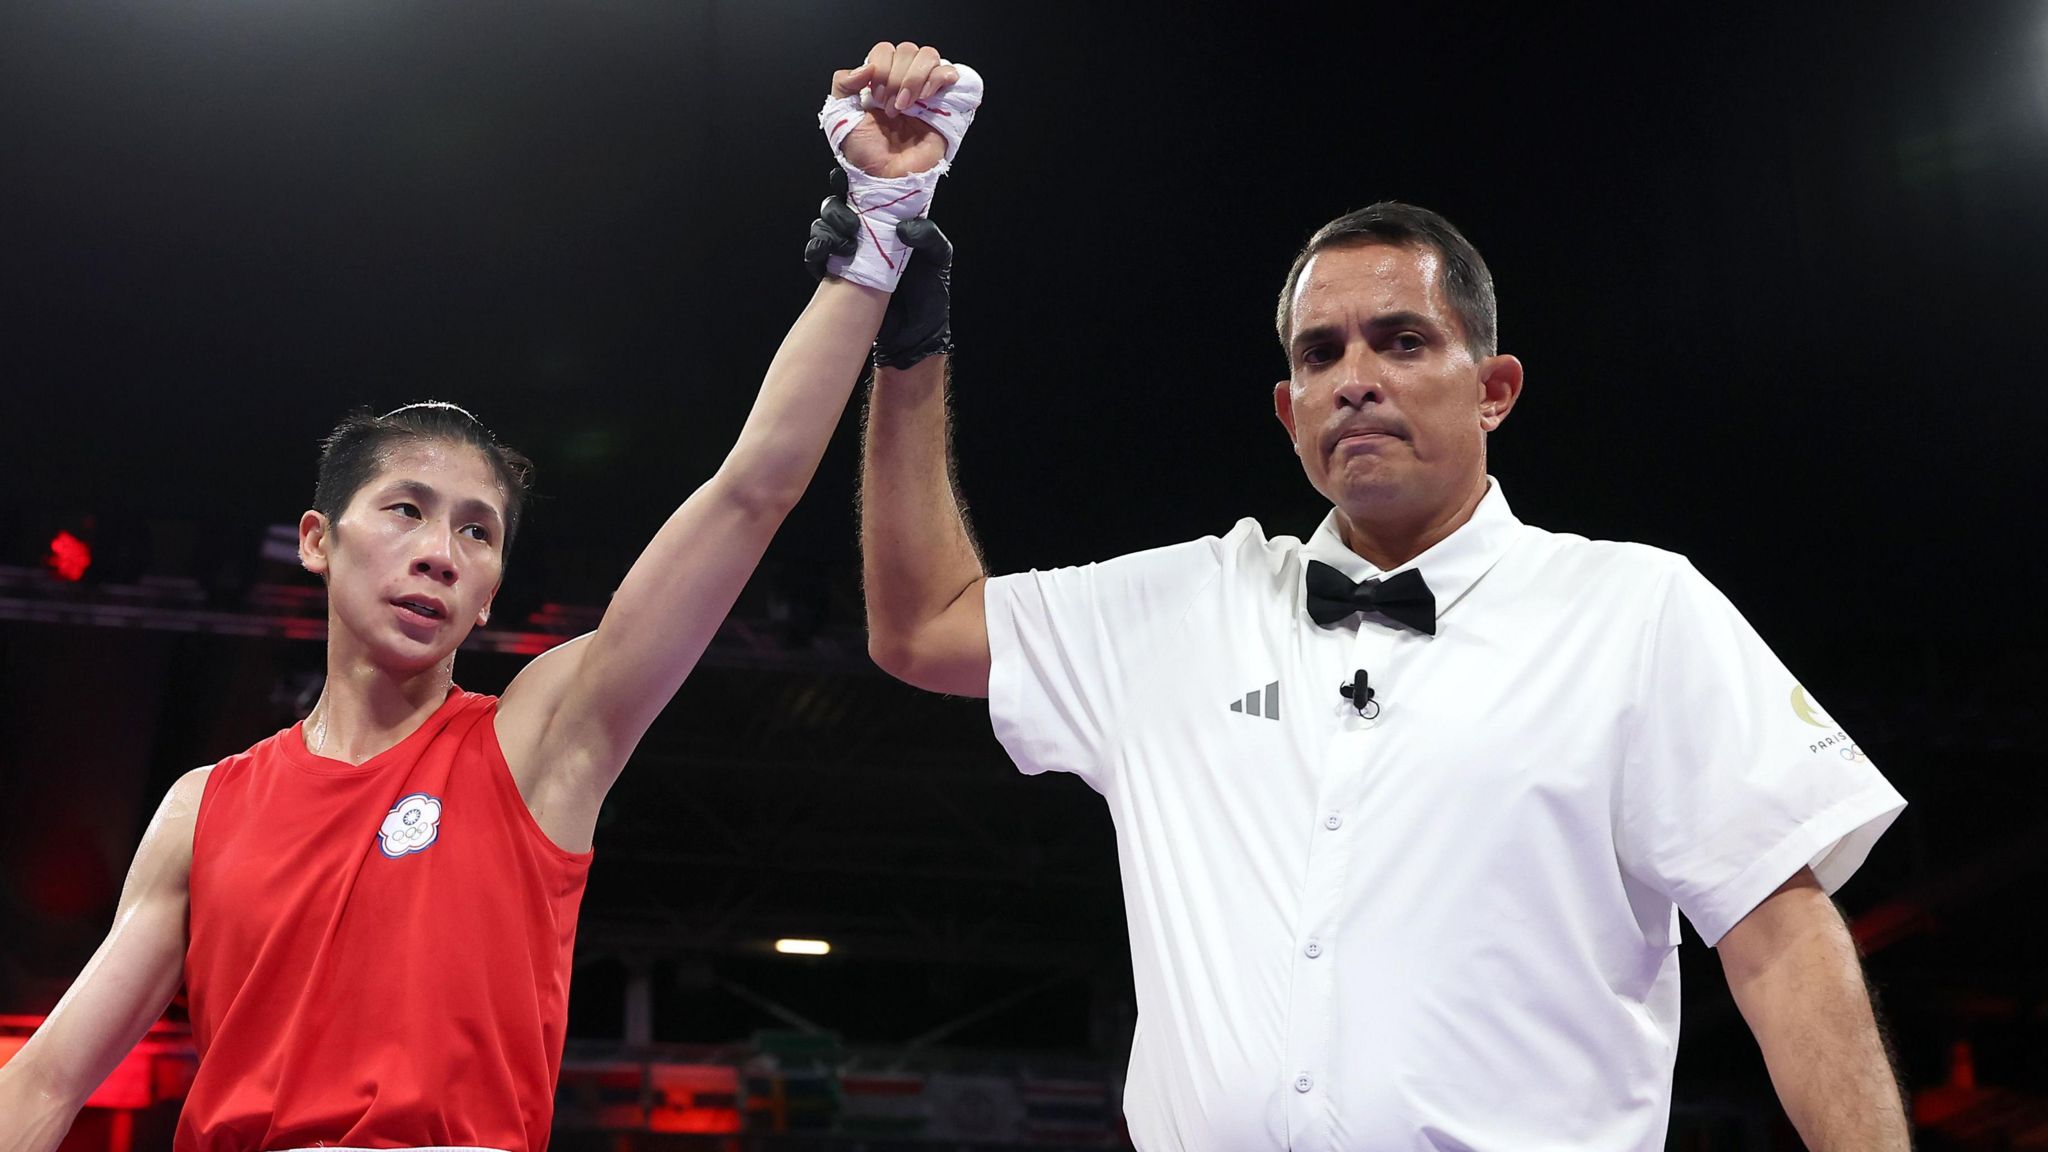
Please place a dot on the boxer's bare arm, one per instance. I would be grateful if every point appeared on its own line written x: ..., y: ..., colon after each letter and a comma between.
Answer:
x: 921, y: 571
x: 571, y: 719
x: 122, y: 991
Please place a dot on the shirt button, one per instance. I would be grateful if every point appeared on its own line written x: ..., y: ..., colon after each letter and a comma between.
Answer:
x: 1333, y: 821
x: 1304, y: 1082
x: 1313, y: 950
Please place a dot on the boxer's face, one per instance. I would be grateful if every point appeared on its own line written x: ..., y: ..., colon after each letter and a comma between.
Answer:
x: 413, y: 562
x: 1386, y: 405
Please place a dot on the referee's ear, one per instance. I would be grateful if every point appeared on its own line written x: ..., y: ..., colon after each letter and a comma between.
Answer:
x: 1283, y: 407
x: 1500, y: 385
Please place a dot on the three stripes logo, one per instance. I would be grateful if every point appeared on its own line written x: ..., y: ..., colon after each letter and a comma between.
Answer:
x: 1257, y: 703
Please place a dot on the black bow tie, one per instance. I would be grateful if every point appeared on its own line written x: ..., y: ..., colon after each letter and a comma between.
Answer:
x: 1404, y: 598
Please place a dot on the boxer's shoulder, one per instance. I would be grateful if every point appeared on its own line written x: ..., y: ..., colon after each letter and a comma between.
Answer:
x: 163, y: 861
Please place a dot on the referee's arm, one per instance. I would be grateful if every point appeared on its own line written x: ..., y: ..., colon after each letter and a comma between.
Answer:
x: 920, y: 569
x: 1794, y: 970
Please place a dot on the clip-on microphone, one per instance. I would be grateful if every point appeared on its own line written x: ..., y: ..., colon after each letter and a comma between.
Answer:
x: 1361, y: 695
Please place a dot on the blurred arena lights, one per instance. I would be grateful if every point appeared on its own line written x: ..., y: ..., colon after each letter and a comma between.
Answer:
x: 69, y: 557
x: 790, y: 946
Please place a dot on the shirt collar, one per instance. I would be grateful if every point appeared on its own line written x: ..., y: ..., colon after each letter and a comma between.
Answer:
x: 1451, y: 567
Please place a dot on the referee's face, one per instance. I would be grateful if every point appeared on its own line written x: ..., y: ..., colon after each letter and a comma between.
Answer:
x: 1386, y: 405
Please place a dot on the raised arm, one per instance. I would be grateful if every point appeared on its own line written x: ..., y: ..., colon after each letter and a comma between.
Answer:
x: 122, y: 991
x: 1793, y: 968
x: 573, y: 716
x: 921, y: 570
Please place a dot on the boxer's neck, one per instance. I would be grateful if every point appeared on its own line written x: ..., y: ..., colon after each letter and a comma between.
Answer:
x: 364, y: 710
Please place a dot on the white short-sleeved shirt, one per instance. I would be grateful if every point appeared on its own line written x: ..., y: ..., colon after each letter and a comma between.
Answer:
x: 1453, y: 926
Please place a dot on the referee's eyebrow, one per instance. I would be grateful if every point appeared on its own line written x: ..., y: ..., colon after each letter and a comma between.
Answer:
x: 1401, y: 321
x: 1318, y: 334
x: 1381, y: 324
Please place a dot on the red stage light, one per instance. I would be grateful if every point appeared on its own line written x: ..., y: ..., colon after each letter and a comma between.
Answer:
x: 69, y: 557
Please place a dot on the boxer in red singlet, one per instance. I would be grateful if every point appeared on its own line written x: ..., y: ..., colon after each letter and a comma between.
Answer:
x: 373, y: 910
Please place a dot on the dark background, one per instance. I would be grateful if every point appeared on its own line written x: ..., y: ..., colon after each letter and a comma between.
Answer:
x: 1777, y: 277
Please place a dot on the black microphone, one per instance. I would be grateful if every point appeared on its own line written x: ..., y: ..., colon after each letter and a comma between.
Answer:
x: 1361, y: 695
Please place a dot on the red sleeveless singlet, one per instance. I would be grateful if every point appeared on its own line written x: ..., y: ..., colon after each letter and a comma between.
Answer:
x: 379, y: 953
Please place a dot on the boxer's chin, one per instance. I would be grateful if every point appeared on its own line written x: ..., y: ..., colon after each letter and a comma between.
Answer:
x: 397, y: 649
x: 405, y: 657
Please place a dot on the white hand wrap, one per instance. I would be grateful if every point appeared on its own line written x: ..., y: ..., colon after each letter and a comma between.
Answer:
x: 883, y: 202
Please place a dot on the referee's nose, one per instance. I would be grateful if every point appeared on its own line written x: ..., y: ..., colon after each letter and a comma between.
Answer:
x: 1357, y: 384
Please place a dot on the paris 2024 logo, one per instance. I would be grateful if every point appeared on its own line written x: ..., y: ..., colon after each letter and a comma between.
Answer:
x: 1837, y: 739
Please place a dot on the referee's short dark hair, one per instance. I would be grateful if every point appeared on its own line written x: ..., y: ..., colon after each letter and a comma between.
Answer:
x: 1466, y: 281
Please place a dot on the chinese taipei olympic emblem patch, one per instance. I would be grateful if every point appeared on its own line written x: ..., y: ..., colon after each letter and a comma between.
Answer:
x: 412, y: 825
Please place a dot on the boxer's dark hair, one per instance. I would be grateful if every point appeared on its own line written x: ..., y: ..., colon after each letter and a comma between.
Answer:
x: 354, y: 452
x: 1466, y: 281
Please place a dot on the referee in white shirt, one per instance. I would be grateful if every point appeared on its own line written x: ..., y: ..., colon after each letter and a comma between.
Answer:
x: 1437, y: 909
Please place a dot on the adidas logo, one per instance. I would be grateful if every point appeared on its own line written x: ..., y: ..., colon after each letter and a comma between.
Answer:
x: 1251, y: 704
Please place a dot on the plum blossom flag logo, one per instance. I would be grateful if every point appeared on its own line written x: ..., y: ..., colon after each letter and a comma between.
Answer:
x: 412, y: 824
